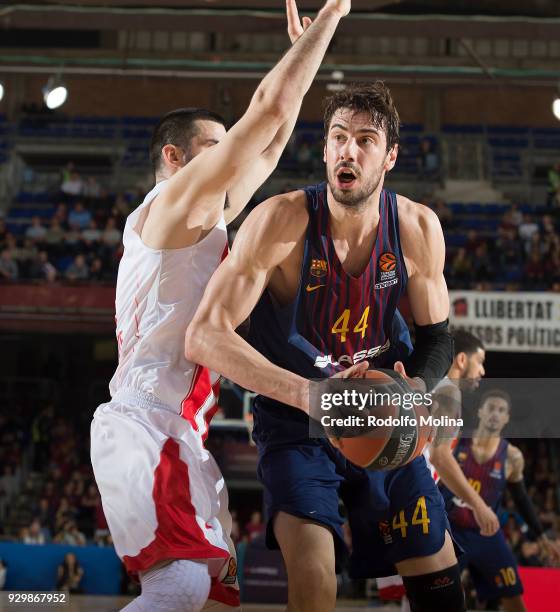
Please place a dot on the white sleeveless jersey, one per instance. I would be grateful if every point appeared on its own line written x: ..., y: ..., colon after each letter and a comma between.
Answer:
x: 158, y: 292
x: 442, y: 383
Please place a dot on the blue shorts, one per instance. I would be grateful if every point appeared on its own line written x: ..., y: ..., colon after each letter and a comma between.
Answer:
x: 393, y: 516
x: 490, y: 562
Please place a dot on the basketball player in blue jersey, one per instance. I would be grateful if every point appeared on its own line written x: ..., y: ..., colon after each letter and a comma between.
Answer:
x: 321, y: 271
x: 489, y: 464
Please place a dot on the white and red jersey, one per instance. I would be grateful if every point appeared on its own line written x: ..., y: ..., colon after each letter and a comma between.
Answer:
x: 158, y: 292
x: 442, y: 383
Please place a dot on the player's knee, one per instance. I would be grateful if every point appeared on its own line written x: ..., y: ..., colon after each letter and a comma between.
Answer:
x: 312, y: 585
x: 440, y: 591
x: 181, y: 586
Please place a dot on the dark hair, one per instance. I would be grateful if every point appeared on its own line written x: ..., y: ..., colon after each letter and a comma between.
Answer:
x: 496, y: 393
x: 465, y: 342
x: 372, y: 98
x: 178, y: 127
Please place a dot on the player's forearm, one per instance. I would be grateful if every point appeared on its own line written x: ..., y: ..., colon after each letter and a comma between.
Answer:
x: 290, y: 79
x: 453, y: 477
x: 225, y: 352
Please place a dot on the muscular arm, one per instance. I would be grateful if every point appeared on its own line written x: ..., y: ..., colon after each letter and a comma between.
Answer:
x: 266, y: 239
x: 255, y: 174
x: 195, y: 195
x: 424, y: 251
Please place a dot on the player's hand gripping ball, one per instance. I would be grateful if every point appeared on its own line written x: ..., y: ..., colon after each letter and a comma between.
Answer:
x: 403, y: 426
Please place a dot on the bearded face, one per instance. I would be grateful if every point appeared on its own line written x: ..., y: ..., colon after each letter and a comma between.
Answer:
x: 356, y: 157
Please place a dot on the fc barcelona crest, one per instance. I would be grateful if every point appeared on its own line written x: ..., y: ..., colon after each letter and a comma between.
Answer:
x: 318, y: 267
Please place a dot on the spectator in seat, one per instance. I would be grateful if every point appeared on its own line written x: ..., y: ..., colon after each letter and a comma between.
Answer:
x: 54, y: 237
x: 97, y: 270
x: 553, y: 198
x: 548, y: 225
x: 42, y: 269
x: 64, y: 514
x: 8, y: 266
x: 78, y: 270
x: 91, y: 190
x: 70, y: 574
x: 473, y: 242
x: 255, y: 527
x: 112, y: 236
x: 534, y: 269
x: 91, y: 235
x: 72, y: 240
x: 36, y: 231
x: 61, y: 213
x: 24, y: 255
x: 34, y: 534
x: 72, y: 186
x: 481, y: 264
x: 428, y: 160
x: 527, y: 228
x: 79, y: 216
x: 45, y: 514
x: 70, y: 535
x: 461, y: 266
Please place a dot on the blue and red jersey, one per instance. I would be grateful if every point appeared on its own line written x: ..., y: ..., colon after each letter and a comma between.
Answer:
x: 336, y: 319
x: 487, y: 479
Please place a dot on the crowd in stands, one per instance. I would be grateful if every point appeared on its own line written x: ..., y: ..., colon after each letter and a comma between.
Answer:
x: 80, y: 241
x: 523, y: 253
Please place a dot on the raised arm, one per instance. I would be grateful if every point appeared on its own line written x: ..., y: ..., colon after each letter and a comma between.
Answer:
x: 195, y: 194
x: 266, y: 239
x: 257, y: 173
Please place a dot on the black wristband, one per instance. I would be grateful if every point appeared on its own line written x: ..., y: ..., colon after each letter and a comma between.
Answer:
x: 433, y: 353
x: 525, y: 506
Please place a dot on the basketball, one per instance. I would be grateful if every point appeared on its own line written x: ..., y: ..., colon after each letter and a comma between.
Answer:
x: 389, y: 446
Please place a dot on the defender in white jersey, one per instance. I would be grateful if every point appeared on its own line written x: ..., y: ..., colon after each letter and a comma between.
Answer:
x: 162, y: 493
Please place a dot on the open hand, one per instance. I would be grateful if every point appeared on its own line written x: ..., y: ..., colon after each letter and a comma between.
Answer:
x: 296, y: 27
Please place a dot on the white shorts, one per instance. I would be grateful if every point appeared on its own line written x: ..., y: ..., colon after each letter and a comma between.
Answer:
x: 163, y: 494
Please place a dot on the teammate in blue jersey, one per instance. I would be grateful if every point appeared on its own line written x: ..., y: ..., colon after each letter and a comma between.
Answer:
x: 321, y: 270
x: 489, y: 463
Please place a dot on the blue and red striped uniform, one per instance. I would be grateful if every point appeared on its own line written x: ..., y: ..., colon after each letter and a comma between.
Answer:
x: 334, y: 321
x: 490, y: 560
x: 488, y: 480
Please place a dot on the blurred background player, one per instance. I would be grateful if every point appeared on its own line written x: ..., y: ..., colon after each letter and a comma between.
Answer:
x: 320, y: 271
x: 463, y: 376
x: 489, y: 463
x: 163, y: 495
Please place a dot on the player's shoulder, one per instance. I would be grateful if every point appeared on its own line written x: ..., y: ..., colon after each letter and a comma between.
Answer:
x: 514, y: 453
x: 416, y: 219
x: 286, y: 212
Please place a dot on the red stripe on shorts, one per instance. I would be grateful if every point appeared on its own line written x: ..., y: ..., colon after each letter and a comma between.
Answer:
x: 224, y: 594
x: 178, y: 535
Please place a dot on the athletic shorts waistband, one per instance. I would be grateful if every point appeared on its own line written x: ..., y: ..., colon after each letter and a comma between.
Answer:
x: 140, y: 399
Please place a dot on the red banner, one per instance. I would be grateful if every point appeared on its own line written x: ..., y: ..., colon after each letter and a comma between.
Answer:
x: 542, y: 588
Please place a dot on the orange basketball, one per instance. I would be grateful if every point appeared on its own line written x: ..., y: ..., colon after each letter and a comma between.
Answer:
x: 389, y: 445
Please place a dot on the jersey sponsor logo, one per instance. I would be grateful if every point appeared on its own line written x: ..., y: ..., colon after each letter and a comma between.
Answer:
x: 324, y: 361
x: 318, y: 268
x: 311, y: 288
x: 387, y: 271
x: 231, y: 576
x: 461, y: 456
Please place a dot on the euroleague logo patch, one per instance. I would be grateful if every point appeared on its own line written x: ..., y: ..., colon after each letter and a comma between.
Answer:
x: 231, y: 576
x: 387, y: 270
